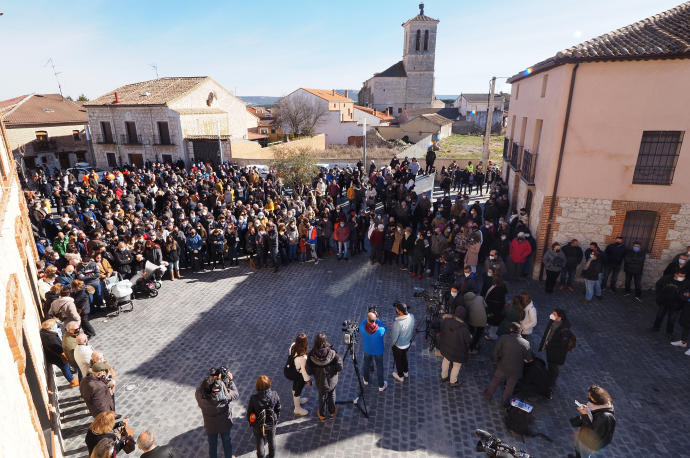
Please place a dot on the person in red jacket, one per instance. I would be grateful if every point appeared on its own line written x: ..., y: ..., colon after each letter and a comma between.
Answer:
x: 520, y: 249
x: 376, y: 241
x: 342, y: 237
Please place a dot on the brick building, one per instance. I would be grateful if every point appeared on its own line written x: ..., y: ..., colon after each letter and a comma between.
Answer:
x: 29, y: 427
x: 46, y: 130
x: 166, y: 119
x: 595, y: 141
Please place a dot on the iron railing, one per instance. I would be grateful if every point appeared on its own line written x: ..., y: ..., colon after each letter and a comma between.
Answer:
x: 514, y: 155
x: 529, y: 163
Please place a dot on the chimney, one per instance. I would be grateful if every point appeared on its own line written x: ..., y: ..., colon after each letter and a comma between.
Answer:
x: 333, y: 91
x: 387, y: 112
x: 117, y: 98
x: 347, y: 93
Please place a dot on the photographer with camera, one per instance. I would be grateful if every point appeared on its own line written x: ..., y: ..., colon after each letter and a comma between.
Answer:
x: 454, y: 345
x: 104, y: 426
x: 214, y: 396
x: 324, y: 364
x: 596, y: 421
x: 372, y: 330
x: 403, y: 330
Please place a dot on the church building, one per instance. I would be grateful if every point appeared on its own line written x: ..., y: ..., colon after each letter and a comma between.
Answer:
x: 410, y: 82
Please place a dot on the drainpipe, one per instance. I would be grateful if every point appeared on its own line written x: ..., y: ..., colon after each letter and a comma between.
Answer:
x: 554, y: 194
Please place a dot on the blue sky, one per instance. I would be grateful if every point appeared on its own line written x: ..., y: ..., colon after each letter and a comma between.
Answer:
x: 272, y: 47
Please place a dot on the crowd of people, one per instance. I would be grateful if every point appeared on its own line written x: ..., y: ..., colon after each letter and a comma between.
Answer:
x: 209, y: 217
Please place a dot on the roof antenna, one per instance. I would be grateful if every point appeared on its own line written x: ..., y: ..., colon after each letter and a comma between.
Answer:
x: 52, y: 64
x: 155, y: 68
x: 421, y: 9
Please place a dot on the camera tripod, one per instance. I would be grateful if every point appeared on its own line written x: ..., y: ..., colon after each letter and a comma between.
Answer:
x: 355, y: 401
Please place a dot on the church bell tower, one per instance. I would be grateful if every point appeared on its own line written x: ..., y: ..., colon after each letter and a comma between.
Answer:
x: 419, y: 54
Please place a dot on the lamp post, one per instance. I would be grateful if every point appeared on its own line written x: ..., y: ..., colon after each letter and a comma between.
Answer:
x: 364, y: 150
x: 220, y: 145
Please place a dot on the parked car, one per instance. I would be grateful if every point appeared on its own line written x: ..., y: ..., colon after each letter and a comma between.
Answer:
x: 260, y: 168
x: 79, y: 172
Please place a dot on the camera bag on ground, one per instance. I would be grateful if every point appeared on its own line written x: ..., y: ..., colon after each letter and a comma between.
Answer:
x: 518, y: 420
x: 289, y: 370
x: 534, y: 380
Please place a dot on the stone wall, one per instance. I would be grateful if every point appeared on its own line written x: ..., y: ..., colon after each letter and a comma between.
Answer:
x: 241, y: 152
x: 62, y: 135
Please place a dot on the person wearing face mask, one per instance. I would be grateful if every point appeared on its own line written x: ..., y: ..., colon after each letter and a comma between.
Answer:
x: 684, y: 322
x: 123, y: 260
x: 468, y: 281
x: 615, y: 252
x: 95, y: 390
x: 590, y: 273
x: 634, y: 265
x: 670, y: 290
x: 520, y: 249
x: 573, y: 256
x: 342, y: 236
x: 502, y: 247
x: 495, y: 262
x: 554, y: 261
x: 52, y: 348
x: 418, y: 253
x: 454, y: 300
x: 556, y: 342
x: 681, y: 263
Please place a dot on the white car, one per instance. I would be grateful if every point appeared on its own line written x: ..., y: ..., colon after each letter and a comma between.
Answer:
x: 79, y: 172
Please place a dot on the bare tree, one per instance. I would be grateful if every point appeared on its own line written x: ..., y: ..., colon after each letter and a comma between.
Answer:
x: 297, y: 167
x: 298, y: 114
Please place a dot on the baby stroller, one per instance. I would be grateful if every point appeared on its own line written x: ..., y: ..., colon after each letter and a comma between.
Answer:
x: 147, y: 282
x: 119, y: 294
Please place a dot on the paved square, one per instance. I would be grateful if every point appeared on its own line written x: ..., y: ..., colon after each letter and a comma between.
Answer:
x: 247, y: 319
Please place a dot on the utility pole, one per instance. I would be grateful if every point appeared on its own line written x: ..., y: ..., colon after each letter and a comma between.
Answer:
x: 489, y: 119
x: 52, y: 64
x: 155, y: 69
x: 220, y: 145
x: 364, y: 150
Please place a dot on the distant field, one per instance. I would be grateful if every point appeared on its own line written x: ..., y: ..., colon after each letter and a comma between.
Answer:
x: 469, y: 146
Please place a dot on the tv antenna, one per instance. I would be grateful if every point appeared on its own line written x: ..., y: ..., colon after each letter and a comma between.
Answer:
x: 155, y: 68
x: 52, y: 64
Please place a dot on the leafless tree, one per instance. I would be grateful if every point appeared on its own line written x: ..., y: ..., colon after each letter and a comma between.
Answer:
x: 298, y: 114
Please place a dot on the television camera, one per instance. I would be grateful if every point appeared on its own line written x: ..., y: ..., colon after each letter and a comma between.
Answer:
x: 494, y: 447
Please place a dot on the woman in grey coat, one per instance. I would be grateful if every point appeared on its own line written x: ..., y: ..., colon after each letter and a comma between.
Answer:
x: 554, y: 262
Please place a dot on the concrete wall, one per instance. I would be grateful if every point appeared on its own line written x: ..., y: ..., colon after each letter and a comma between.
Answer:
x: 21, y: 432
x: 387, y: 92
x: 245, y: 152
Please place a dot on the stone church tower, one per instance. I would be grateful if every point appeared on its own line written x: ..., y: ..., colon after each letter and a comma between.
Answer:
x: 419, y: 54
x: 410, y: 82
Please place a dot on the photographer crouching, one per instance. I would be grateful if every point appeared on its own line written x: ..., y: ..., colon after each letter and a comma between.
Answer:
x: 214, y: 396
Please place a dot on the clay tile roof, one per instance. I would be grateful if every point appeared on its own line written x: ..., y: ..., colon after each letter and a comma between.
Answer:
x: 421, y: 18
x: 252, y: 111
x: 480, y: 98
x: 328, y: 94
x: 394, y: 71
x: 41, y: 109
x: 662, y: 36
x: 436, y: 119
x: 160, y: 91
x: 378, y: 114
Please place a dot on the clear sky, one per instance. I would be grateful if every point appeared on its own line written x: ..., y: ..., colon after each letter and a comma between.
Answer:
x: 272, y: 47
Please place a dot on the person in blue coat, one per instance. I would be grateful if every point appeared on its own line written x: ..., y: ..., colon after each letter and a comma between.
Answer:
x: 372, y: 331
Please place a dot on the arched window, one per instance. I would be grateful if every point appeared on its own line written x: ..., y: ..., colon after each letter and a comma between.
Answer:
x: 418, y: 40
x: 426, y: 40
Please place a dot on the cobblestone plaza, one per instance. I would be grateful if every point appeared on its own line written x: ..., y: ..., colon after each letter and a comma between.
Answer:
x: 247, y: 319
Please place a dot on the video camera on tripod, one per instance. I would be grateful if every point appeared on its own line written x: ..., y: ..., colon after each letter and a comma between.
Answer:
x: 494, y: 447
x: 351, y: 328
x: 435, y: 306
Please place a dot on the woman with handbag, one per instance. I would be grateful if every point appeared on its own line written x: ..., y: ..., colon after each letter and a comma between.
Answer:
x: 52, y: 347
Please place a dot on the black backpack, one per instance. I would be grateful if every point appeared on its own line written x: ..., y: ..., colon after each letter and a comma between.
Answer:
x: 517, y: 420
x: 265, y: 421
x: 289, y: 370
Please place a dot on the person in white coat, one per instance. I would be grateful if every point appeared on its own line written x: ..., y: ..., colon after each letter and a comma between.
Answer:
x: 529, y: 322
x: 82, y: 354
x: 299, y: 350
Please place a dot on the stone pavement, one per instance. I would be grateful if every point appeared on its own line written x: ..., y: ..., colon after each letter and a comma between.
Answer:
x: 247, y: 319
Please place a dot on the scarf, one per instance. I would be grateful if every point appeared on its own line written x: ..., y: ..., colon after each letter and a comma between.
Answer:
x: 371, y: 327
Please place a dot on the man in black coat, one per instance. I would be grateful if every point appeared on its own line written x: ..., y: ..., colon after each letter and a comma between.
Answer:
x: 596, y: 421
x: 455, y: 304
x: 681, y: 263
x: 147, y: 444
x: 573, y: 255
x: 615, y: 252
x: 556, y: 342
x: 634, y: 264
x: 669, y: 299
x: 454, y: 345
x: 214, y: 396
x: 511, y: 352
x: 430, y: 158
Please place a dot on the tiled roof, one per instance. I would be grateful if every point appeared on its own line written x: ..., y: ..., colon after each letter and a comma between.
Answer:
x: 41, y: 109
x: 448, y: 113
x: 252, y: 111
x: 396, y: 70
x: 153, y: 92
x: 436, y: 119
x: 665, y: 35
x: 328, y: 94
x: 480, y: 98
x: 378, y: 114
x: 421, y: 18
x: 197, y: 111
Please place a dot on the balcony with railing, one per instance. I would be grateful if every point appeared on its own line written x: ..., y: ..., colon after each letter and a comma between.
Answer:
x: 105, y: 140
x: 514, y: 155
x: 529, y: 165
x: 131, y: 140
x: 45, y: 145
x: 163, y: 141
